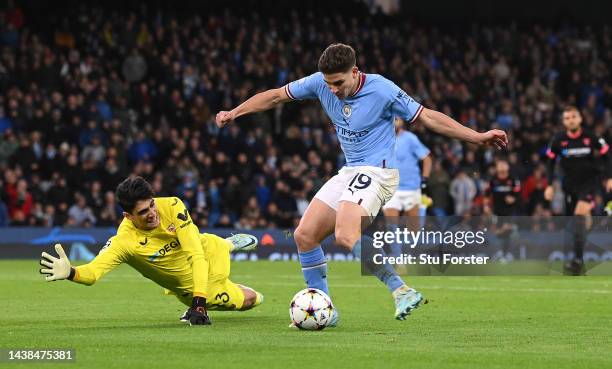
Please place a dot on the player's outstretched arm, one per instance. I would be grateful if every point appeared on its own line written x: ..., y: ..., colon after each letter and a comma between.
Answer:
x: 446, y: 126
x: 259, y: 102
x: 56, y: 268
x: 111, y: 255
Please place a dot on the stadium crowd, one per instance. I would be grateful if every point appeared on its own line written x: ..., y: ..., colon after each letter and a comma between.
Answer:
x: 90, y: 95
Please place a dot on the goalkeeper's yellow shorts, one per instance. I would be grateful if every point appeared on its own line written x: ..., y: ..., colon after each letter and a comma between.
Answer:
x: 223, y: 294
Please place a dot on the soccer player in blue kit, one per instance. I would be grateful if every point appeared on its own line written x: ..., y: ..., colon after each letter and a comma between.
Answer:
x: 410, y: 151
x: 362, y: 108
x: 406, y: 200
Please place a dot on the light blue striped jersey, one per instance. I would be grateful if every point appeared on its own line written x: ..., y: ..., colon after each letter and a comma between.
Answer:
x: 363, y: 120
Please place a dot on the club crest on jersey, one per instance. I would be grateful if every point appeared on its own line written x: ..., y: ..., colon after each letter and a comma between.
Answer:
x: 171, y: 228
x: 347, y: 110
x: 586, y: 141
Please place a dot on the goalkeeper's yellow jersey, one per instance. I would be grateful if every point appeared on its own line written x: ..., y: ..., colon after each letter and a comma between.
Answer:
x: 172, y: 255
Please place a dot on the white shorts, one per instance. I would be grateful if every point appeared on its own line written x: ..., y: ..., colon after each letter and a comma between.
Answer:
x: 370, y: 187
x: 403, y: 200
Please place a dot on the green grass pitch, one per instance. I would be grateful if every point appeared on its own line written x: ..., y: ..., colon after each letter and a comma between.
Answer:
x: 125, y: 321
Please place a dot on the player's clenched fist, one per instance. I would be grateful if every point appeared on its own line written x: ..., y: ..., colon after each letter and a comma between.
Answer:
x: 224, y: 117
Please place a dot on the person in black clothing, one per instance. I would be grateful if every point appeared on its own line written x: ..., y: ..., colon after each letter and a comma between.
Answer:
x: 504, y: 191
x: 582, y: 157
x: 504, y: 198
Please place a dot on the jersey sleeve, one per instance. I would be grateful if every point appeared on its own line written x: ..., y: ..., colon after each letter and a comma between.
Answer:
x: 189, y: 238
x: 402, y: 105
x: 552, y: 152
x: 111, y: 255
x: 516, y: 186
x: 603, y: 149
x: 305, y: 88
x: 420, y: 151
x: 602, y: 146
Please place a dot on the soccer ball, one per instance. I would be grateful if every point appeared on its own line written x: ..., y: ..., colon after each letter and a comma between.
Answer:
x: 311, y: 309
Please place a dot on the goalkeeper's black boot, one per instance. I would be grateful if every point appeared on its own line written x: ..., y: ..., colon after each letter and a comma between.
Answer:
x: 185, y: 317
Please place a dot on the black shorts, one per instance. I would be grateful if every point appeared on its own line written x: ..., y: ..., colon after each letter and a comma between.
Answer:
x: 584, y: 192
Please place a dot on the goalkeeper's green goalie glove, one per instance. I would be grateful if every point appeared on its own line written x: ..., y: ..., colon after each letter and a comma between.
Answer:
x: 56, y: 268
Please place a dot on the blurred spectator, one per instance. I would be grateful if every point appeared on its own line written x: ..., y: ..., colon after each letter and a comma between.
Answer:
x: 533, y: 189
x: 5, y: 122
x: 8, y: 146
x: 503, y: 191
x: 110, y: 214
x: 94, y: 151
x: 4, y: 215
x: 79, y: 214
x: 134, y: 67
x: 463, y: 191
x: 19, y: 200
x: 143, y: 149
x: 438, y: 186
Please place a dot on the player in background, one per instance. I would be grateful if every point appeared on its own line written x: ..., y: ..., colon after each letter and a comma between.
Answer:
x: 585, y: 162
x: 159, y: 240
x: 412, y: 179
x: 362, y: 108
x: 503, y: 199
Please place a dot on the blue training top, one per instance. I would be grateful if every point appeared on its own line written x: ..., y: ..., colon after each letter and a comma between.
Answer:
x: 409, y: 151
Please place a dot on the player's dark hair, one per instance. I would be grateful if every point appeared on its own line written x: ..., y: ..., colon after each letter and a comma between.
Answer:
x: 337, y: 58
x: 568, y: 108
x: 132, y: 190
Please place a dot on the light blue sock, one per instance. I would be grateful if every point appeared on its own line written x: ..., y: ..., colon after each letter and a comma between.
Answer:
x: 395, y: 249
x: 314, y: 268
x: 384, y: 272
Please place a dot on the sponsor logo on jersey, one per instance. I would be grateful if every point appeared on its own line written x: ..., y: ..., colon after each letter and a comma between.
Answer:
x: 165, y: 249
x: 505, y: 188
x: 578, y: 151
x: 349, y: 133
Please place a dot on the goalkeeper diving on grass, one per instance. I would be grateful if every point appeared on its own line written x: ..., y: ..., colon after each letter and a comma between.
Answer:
x: 158, y: 238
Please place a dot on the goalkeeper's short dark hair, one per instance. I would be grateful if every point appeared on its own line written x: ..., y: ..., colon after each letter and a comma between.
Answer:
x: 132, y: 190
x: 337, y: 58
